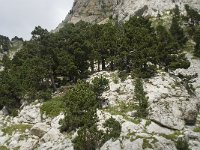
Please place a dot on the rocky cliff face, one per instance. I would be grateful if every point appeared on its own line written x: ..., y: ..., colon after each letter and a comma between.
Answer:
x: 98, y: 11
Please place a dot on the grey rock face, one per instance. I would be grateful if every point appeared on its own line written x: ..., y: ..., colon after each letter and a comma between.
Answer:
x: 98, y: 11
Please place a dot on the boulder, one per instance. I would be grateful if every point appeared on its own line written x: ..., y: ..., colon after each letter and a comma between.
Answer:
x: 123, y: 145
x: 190, y: 113
x: 40, y: 129
x: 164, y: 144
x: 52, y: 135
x: 29, y: 114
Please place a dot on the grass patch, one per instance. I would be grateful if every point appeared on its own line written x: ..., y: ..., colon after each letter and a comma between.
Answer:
x: 53, y: 107
x: 196, y: 129
x: 172, y: 137
x: 16, y: 128
x: 122, y: 109
x: 3, y: 148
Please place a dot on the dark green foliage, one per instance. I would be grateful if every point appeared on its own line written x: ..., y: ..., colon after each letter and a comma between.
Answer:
x: 169, y: 54
x: 99, y: 85
x: 176, y: 30
x: 193, y: 17
x: 197, y: 41
x: 140, y: 95
x: 50, y: 60
x: 88, y: 139
x: 113, y: 129
x: 4, y: 43
x: 182, y: 144
x: 81, y: 104
x: 91, y: 138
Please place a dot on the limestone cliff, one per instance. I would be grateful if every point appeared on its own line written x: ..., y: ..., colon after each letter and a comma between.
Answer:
x: 98, y: 11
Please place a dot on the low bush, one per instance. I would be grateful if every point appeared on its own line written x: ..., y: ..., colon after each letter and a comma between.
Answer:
x: 182, y: 144
x: 113, y: 129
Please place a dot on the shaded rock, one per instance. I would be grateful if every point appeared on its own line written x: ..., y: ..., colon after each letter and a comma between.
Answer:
x: 39, y: 129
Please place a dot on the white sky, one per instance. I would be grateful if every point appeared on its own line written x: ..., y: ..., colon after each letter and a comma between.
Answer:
x: 19, y: 17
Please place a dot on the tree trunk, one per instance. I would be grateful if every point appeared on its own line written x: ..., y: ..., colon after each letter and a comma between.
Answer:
x: 92, y: 65
x: 111, y: 66
x: 98, y: 65
x: 103, y: 64
x: 53, y: 82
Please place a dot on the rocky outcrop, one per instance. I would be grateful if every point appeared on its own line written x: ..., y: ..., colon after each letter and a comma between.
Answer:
x: 169, y: 102
x: 99, y: 11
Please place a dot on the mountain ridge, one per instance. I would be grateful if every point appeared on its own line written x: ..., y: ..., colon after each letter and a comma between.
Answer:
x: 99, y: 11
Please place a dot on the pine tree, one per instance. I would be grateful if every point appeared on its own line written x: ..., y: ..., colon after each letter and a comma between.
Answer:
x: 197, y: 41
x: 176, y: 30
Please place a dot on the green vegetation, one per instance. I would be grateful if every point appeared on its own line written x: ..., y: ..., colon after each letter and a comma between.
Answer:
x: 121, y: 108
x: 176, y: 30
x: 113, y: 129
x: 197, y: 41
x: 3, y: 148
x: 50, y: 60
x: 88, y: 139
x: 80, y: 107
x: 99, y: 85
x: 16, y: 128
x: 91, y: 138
x: 81, y: 103
x: 4, y: 43
x: 140, y: 96
x: 182, y: 144
x: 197, y: 129
x: 146, y: 144
x: 53, y: 107
x: 173, y: 136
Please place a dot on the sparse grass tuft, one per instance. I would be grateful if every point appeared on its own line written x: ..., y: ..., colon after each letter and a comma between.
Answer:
x: 196, y: 129
x: 16, y: 128
x: 172, y: 137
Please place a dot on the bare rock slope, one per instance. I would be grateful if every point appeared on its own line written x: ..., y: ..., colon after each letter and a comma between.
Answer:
x: 99, y: 11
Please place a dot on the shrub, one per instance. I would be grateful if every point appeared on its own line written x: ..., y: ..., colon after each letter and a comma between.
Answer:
x: 113, y: 129
x: 182, y: 144
x: 88, y: 139
x: 81, y: 104
x: 91, y: 138
x: 99, y: 85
